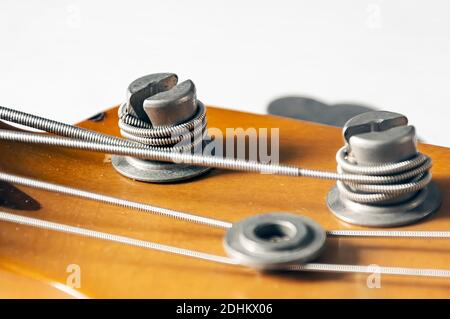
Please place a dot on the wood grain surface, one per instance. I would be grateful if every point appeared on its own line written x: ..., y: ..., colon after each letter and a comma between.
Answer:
x: 33, y: 260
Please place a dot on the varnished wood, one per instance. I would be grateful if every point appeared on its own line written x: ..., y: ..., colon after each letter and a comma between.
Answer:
x: 40, y: 258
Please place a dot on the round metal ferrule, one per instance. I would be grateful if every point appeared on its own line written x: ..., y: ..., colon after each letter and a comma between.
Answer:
x: 155, y: 171
x: 423, y: 204
x: 275, y: 240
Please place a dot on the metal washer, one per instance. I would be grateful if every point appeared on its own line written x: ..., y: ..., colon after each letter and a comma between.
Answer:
x: 155, y: 171
x: 274, y: 240
x: 426, y: 202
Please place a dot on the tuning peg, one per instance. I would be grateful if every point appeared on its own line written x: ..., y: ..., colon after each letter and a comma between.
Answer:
x: 143, y: 87
x: 379, y: 146
x: 162, y: 115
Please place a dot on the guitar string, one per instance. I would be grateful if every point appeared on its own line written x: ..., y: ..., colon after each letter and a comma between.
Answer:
x: 207, y: 221
x: 25, y: 181
x: 389, y: 233
x: 42, y: 224
x: 373, y: 180
x: 308, y: 267
x: 337, y: 268
x: 123, y: 148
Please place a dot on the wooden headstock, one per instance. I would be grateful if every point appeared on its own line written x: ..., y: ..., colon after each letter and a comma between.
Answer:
x: 34, y: 263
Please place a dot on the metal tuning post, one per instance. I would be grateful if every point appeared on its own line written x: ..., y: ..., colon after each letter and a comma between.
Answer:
x: 162, y: 115
x: 394, y: 184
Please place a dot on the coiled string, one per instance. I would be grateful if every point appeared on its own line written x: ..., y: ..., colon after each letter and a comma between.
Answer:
x: 182, y: 137
x: 362, y: 184
x: 394, y: 179
x: 377, y: 183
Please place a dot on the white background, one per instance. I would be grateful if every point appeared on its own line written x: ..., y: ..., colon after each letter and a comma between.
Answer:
x: 70, y: 59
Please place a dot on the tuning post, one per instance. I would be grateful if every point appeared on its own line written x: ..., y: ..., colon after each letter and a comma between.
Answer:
x: 395, y: 187
x: 162, y: 115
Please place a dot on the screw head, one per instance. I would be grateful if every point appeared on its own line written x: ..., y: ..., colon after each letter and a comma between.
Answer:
x: 146, y: 86
x: 379, y: 137
x: 158, y: 99
x: 375, y: 121
x: 172, y: 107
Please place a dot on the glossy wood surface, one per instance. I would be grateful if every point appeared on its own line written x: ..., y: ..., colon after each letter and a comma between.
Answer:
x: 33, y: 260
